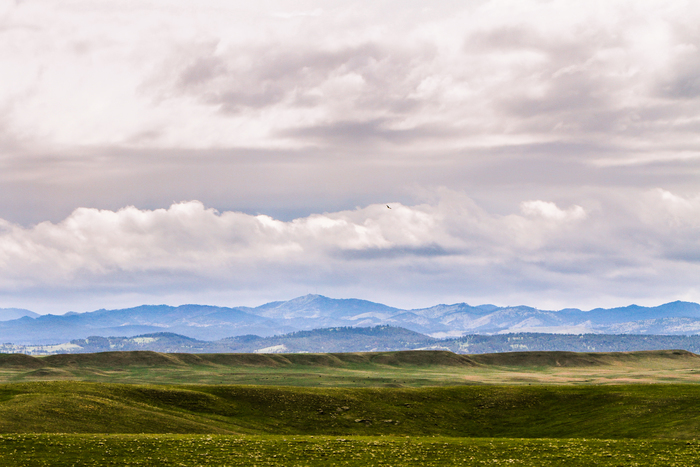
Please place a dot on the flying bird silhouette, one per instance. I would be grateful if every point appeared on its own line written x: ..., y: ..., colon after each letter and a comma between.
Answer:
x: 388, y: 206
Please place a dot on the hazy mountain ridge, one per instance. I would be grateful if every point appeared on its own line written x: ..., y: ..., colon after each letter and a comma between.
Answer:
x: 7, y: 314
x: 374, y: 339
x: 212, y: 323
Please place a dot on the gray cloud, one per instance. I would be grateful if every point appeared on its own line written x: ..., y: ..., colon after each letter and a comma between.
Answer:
x: 292, y: 113
x: 368, y: 132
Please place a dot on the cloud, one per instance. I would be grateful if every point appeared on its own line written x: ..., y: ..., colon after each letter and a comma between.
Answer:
x: 452, y: 244
x: 552, y: 126
x: 535, y: 72
x: 271, y: 76
x: 549, y: 210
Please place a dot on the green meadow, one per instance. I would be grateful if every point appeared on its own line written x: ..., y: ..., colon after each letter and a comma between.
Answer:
x: 391, y: 408
x: 257, y: 451
x: 371, y: 369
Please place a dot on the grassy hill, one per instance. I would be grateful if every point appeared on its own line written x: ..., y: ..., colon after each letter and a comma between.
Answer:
x: 633, y: 411
x: 121, y: 359
x: 587, y: 359
x: 371, y: 369
x: 411, y: 392
x: 138, y: 358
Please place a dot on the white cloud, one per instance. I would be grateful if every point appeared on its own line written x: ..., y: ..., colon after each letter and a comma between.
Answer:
x: 549, y: 210
x: 452, y: 244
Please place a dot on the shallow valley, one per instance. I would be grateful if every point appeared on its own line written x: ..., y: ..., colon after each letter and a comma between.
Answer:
x: 382, y: 408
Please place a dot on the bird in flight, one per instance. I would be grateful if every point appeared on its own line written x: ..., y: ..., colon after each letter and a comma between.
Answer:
x: 388, y: 206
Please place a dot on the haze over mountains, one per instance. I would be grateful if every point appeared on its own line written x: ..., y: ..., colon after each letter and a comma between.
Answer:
x: 315, y: 311
x: 7, y: 314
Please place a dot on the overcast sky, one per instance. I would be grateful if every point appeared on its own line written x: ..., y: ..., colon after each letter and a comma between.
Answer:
x: 544, y: 153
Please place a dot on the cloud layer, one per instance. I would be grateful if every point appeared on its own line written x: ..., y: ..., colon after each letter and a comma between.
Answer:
x: 545, y: 253
x: 157, y: 74
x: 532, y: 151
x: 349, y: 101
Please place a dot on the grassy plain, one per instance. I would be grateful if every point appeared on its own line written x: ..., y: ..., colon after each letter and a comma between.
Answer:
x: 258, y: 451
x: 405, y: 408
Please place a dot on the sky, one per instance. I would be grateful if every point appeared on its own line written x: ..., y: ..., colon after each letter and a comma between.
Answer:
x: 544, y: 153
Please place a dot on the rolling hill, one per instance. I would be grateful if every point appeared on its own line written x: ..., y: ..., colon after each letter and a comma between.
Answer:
x: 468, y: 410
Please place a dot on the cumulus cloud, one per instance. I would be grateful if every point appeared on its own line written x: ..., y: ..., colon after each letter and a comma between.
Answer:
x: 549, y: 210
x: 452, y: 245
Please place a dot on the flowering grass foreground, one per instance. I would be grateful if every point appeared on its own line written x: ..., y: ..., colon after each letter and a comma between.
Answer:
x: 224, y: 450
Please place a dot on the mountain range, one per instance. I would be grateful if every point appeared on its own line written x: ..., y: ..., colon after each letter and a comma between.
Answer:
x: 210, y: 323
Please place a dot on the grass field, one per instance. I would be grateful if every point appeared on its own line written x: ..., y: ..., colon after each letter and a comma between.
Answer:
x: 634, y: 411
x: 381, y: 369
x: 258, y: 451
x: 406, y: 408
